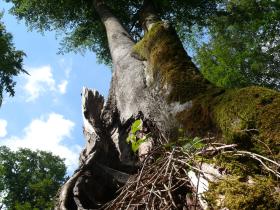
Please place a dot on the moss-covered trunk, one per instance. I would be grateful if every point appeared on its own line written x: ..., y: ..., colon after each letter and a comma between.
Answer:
x: 236, y: 115
x: 248, y: 117
x: 156, y: 81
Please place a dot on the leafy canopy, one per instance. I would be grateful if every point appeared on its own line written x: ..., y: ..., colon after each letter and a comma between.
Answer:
x: 10, y: 62
x: 81, y: 26
x: 244, y: 46
x: 29, y: 180
x: 241, y: 36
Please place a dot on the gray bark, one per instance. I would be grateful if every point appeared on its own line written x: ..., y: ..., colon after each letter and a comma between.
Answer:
x: 130, y: 93
x: 107, y: 160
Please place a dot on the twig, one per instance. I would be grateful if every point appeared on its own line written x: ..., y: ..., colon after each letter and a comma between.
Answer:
x: 253, y: 155
x: 170, y: 196
x: 207, y: 150
x: 169, y: 161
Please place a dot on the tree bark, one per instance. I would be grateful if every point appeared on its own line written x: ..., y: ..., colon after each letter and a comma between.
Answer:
x: 129, y: 92
x: 155, y: 81
x: 106, y: 126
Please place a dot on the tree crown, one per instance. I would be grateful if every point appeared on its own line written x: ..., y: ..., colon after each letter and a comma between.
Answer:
x: 28, y: 179
x: 80, y: 24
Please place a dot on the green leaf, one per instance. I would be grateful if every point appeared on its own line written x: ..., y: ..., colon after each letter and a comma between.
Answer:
x: 197, y: 143
x: 131, y: 138
x: 136, y: 126
x: 140, y: 141
x: 187, y: 146
x: 134, y: 147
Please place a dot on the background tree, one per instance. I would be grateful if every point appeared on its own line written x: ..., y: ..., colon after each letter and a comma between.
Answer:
x: 244, y: 45
x: 10, y: 62
x: 29, y: 180
x: 82, y: 28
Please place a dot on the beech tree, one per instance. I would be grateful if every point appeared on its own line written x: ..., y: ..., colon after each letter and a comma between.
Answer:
x: 29, y: 180
x: 244, y: 45
x: 155, y: 90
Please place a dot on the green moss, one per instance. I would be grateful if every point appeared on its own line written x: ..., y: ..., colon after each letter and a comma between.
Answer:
x: 198, y: 121
x: 237, y: 165
x: 236, y: 193
x: 249, y: 117
x: 170, y: 64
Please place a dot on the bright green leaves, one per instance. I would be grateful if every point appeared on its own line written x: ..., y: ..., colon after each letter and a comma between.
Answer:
x: 10, y: 62
x: 132, y: 137
x: 244, y: 45
x: 82, y: 29
x: 189, y: 144
x: 193, y: 144
x: 135, y: 144
x: 29, y: 180
x: 136, y: 126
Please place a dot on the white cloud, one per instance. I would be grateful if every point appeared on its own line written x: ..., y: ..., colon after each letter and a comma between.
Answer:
x: 3, y: 128
x: 62, y: 86
x: 49, y: 134
x: 40, y: 80
x: 66, y: 65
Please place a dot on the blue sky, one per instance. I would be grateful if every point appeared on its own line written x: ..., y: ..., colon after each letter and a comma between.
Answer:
x: 45, y: 113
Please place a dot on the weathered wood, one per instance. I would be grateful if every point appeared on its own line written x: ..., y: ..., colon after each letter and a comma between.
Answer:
x: 65, y: 197
x: 106, y: 161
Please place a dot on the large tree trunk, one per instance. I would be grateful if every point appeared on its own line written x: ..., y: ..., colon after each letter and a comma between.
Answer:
x: 156, y: 81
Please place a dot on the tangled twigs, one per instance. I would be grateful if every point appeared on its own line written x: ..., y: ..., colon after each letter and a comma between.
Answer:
x: 162, y: 184
x: 270, y: 165
x: 164, y: 180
